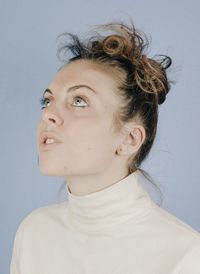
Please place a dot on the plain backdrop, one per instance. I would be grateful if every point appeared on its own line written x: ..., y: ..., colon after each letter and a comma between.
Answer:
x: 28, y: 45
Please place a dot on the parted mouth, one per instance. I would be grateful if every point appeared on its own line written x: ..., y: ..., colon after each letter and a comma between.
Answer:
x: 48, y: 138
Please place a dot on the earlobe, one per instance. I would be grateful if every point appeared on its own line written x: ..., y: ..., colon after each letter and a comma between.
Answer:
x: 134, y: 138
x: 124, y: 149
x: 118, y: 151
x: 133, y: 141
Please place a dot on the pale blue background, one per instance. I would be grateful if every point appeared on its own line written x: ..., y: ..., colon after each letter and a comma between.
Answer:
x: 28, y: 31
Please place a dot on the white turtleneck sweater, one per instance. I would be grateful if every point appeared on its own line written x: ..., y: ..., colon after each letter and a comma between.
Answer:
x: 117, y: 230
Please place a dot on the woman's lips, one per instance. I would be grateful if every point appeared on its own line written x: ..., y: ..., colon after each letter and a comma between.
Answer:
x: 45, y: 146
x: 48, y: 135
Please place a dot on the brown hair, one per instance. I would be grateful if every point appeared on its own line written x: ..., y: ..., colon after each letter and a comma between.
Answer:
x: 142, y: 81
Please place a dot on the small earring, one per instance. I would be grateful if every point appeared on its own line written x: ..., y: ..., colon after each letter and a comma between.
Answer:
x: 119, y: 150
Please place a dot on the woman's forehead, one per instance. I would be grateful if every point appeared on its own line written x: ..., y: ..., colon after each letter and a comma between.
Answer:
x: 85, y: 72
x: 79, y: 73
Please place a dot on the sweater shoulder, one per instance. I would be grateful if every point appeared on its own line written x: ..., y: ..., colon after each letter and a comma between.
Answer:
x: 43, y: 216
x: 190, y: 262
x: 170, y: 223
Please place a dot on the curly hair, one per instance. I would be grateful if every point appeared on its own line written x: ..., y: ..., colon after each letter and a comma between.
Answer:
x: 142, y: 81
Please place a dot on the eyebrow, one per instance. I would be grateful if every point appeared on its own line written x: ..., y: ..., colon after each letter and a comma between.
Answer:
x: 72, y: 89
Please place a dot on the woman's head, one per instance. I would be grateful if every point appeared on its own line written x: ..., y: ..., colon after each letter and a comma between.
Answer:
x: 80, y: 114
x: 117, y: 127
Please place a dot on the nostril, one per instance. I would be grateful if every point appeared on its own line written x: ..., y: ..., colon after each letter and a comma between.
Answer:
x: 51, y: 119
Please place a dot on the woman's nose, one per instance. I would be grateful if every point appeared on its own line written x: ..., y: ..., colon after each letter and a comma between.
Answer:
x: 50, y: 117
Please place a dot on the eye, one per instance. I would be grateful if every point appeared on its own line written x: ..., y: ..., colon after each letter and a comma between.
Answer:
x: 43, y: 102
x: 79, y: 101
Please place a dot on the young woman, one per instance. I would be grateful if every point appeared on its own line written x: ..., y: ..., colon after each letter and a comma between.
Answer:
x: 98, y: 124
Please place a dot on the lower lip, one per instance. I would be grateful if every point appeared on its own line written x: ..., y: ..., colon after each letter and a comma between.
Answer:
x: 48, y: 146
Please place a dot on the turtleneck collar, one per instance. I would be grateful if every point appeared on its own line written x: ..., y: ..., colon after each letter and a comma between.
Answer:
x: 123, y: 202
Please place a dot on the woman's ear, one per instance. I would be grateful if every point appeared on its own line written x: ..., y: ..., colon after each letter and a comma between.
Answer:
x: 133, y: 140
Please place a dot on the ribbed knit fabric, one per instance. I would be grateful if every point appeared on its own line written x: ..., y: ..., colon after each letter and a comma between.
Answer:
x: 117, y: 230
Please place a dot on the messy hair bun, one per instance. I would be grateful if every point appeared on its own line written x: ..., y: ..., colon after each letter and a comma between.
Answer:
x: 150, y: 73
x: 145, y: 84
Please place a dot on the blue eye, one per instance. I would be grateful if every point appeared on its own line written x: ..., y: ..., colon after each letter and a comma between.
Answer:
x: 43, y: 102
x: 82, y: 100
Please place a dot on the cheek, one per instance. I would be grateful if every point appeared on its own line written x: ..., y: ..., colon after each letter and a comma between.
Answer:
x: 89, y: 139
x: 86, y: 132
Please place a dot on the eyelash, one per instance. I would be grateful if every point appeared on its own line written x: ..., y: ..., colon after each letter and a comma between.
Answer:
x: 43, y: 101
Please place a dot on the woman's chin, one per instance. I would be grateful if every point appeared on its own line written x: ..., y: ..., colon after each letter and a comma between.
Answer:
x: 49, y: 170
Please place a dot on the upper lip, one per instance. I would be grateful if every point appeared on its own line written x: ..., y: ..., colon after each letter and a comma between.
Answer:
x: 45, y: 135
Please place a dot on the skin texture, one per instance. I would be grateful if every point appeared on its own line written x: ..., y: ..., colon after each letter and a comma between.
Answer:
x: 91, y: 155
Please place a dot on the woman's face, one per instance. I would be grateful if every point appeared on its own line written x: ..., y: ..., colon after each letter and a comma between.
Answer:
x: 81, y: 119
